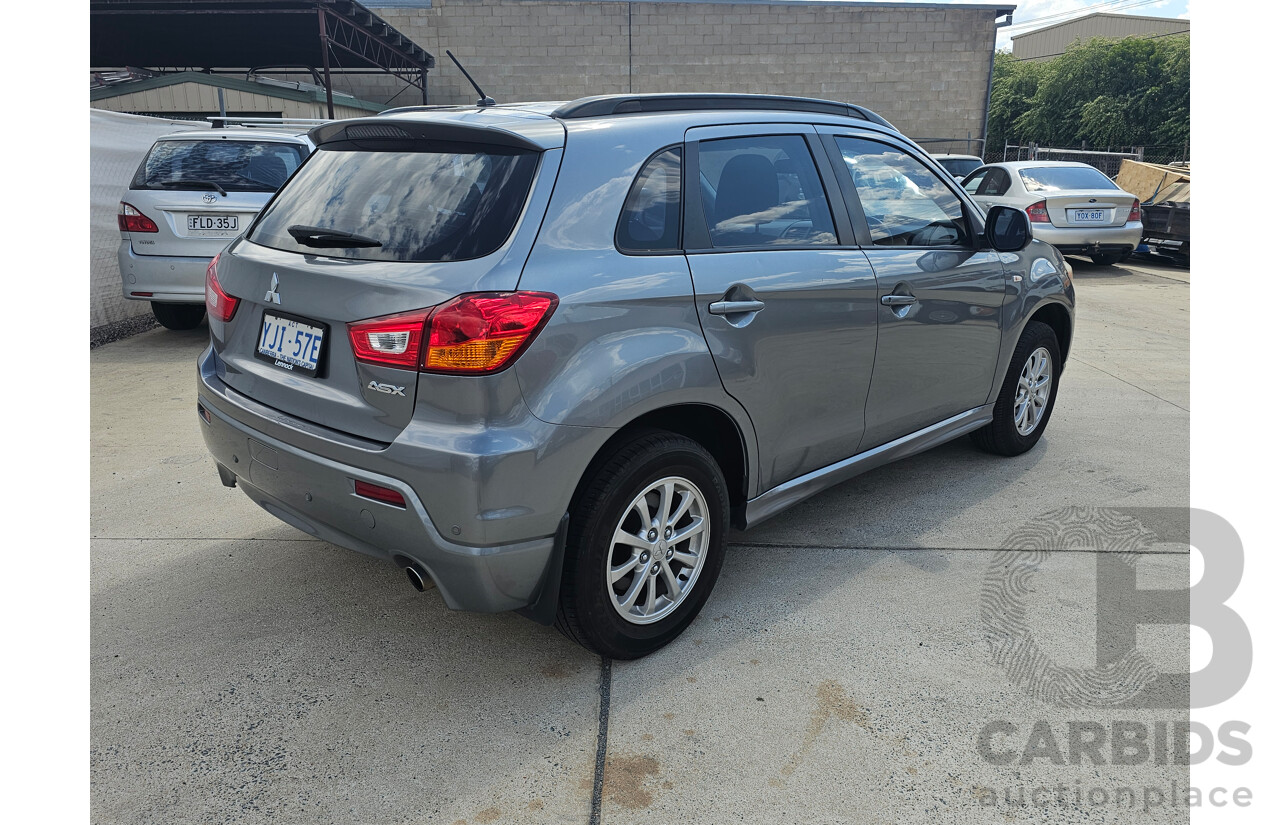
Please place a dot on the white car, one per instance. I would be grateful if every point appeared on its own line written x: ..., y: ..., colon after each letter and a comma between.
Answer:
x: 1071, y: 205
x: 192, y: 194
x: 958, y: 165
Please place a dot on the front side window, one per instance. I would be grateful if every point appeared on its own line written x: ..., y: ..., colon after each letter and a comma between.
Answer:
x: 439, y: 205
x: 233, y: 165
x: 650, y: 219
x: 975, y: 180
x: 905, y: 204
x: 763, y: 191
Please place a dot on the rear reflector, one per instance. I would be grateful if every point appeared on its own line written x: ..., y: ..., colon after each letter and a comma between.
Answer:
x: 219, y: 304
x: 131, y: 220
x: 477, y: 333
x: 379, y: 493
x: 1038, y: 212
x: 140, y: 294
x: 1135, y: 212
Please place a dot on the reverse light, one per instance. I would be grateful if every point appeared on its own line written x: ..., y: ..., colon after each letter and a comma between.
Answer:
x: 471, y: 334
x: 392, y: 340
x: 1135, y: 212
x: 131, y: 220
x: 217, y: 303
x: 1038, y: 212
x: 379, y: 493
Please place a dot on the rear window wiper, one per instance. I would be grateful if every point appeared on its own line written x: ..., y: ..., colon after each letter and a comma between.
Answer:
x: 195, y: 184
x: 318, y: 236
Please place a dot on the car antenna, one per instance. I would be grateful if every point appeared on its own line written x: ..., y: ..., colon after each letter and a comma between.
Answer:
x: 484, y: 100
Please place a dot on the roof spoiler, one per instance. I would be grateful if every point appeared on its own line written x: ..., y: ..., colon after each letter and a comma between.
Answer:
x: 367, y: 129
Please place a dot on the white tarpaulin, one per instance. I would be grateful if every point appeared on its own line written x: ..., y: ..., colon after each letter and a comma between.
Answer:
x: 117, y: 144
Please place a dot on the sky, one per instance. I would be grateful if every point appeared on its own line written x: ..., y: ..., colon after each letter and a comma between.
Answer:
x: 1035, y: 14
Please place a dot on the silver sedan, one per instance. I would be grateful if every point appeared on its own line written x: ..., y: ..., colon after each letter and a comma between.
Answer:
x: 1071, y: 205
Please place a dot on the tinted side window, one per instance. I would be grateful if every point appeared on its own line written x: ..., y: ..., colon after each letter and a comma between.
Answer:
x: 996, y: 184
x: 905, y: 203
x: 650, y: 219
x: 763, y: 191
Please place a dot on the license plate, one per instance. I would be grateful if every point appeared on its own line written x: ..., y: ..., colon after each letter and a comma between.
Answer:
x: 291, y: 343
x: 1089, y: 215
x: 213, y: 223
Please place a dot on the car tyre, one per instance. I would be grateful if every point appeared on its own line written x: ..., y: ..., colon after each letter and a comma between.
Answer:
x: 1024, y: 406
x: 178, y: 316
x: 682, y: 492
x: 1109, y: 258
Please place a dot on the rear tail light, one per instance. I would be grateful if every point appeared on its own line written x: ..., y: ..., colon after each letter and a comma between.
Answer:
x: 1038, y: 212
x: 131, y: 220
x: 379, y: 493
x: 219, y: 304
x: 393, y: 340
x: 1135, y: 212
x: 471, y: 334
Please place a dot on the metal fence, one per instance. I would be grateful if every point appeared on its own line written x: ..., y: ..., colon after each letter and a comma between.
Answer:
x: 1106, y: 160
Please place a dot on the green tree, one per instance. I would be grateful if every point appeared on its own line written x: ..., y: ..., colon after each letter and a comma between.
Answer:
x: 1130, y: 92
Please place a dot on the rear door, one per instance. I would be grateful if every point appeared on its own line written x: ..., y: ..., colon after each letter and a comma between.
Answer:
x: 202, y: 192
x: 411, y: 224
x: 939, y: 295
x: 785, y: 297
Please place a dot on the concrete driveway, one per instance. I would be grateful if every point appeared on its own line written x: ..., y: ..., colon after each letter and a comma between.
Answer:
x: 850, y: 666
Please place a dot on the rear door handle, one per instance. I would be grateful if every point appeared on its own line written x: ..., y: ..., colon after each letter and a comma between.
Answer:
x: 898, y: 300
x: 735, y: 307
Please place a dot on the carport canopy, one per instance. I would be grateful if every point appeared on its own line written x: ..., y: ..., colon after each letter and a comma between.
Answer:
x: 237, y: 36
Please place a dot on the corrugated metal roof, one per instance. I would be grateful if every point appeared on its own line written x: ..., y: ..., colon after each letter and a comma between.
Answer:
x: 160, y: 81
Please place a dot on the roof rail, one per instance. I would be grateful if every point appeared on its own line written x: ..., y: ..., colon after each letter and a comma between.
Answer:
x: 603, y: 105
x: 301, y: 123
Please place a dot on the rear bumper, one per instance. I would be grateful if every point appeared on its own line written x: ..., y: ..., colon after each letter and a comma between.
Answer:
x: 1086, y: 240
x: 316, y: 494
x: 169, y: 279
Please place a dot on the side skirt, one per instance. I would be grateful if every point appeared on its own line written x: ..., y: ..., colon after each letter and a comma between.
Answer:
x: 785, y: 495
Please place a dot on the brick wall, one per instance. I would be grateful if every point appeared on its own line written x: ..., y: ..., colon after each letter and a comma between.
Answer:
x: 925, y: 69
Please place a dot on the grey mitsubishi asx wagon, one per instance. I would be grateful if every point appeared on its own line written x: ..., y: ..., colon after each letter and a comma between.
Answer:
x: 544, y: 355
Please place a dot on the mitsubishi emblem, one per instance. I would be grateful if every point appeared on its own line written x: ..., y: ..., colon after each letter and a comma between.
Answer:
x: 273, y: 297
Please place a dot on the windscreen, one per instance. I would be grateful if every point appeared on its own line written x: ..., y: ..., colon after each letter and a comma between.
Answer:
x: 234, y: 165
x: 1055, y: 178
x: 423, y: 206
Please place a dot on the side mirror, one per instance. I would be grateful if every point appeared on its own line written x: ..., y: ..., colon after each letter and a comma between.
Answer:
x: 1008, y: 229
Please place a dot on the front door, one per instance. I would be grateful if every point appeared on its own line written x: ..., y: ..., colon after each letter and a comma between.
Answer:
x: 786, y: 299
x: 939, y: 295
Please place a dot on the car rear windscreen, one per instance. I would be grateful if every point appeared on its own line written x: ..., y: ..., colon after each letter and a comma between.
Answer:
x: 234, y: 165
x: 1054, y: 178
x: 959, y: 166
x: 422, y: 206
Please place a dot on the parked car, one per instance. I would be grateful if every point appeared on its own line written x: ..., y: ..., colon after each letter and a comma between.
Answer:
x: 193, y: 193
x: 1071, y: 205
x: 545, y: 355
x: 958, y: 165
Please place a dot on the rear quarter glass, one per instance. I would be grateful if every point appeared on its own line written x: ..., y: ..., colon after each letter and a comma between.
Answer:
x: 235, y: 165
x: 451, y: 203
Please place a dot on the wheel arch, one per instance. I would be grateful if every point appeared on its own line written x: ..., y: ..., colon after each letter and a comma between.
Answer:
x: 1057, y: 317
x: 713, y: 428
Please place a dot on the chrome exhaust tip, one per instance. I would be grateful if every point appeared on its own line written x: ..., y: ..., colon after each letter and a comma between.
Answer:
x: 415, y: 579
